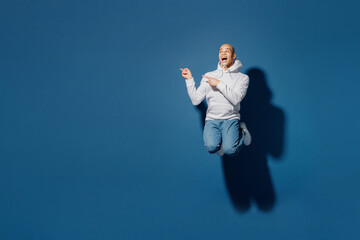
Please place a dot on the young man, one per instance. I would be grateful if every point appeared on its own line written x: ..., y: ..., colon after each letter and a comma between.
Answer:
x: 224, y: 89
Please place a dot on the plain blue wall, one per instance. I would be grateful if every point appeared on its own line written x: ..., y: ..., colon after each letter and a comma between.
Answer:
x: 99, y: 140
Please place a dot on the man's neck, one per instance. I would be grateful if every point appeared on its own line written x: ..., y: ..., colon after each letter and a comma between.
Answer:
x: 226, y: 68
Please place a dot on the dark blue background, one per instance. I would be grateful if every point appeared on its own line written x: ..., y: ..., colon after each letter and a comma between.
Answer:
x: 99, y: 140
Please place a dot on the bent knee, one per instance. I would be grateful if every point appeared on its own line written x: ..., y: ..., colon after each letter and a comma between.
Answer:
x: 212, y: 148
x: 230, y: 150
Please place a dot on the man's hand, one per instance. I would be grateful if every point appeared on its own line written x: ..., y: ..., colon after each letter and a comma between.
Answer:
x: 212, y: 81
x: 186, y: 73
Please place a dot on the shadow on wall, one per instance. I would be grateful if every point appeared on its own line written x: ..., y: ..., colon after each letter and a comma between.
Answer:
x: 247, y: 175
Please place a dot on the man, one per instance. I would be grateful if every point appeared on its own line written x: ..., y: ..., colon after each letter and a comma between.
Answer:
x: 224, y: 89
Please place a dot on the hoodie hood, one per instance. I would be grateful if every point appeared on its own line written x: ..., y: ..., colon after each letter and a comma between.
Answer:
x: 234, y: 68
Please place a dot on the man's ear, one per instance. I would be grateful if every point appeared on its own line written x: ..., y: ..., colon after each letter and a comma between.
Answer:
x: 234, y: 56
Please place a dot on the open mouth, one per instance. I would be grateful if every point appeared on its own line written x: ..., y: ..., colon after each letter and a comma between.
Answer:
x: 223, y: 59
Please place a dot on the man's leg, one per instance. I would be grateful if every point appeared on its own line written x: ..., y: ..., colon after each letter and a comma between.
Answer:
x: 212, y: 135
x: 232, y: 137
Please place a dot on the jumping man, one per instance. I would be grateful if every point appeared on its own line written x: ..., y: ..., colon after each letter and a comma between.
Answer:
x: 224, y: 89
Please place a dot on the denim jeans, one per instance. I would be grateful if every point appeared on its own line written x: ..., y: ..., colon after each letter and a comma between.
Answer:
x: 225, y: 133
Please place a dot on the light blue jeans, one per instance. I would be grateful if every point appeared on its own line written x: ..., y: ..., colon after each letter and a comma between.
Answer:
x: 223, y: 132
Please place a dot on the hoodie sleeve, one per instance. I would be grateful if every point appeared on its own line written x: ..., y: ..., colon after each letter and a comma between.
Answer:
x: 196, y: 95
x: 236, y: 94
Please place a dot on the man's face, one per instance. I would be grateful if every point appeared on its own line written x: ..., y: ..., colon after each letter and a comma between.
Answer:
x: 226, y: 57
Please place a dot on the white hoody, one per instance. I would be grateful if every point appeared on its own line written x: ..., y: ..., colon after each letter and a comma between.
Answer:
x: 224, y: 99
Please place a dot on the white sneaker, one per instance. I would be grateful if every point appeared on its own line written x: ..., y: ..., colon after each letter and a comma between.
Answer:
x: 247, y: 135
x: 221, y: 151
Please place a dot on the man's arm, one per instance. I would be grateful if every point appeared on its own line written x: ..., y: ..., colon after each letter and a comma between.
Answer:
x: 196, y: 95
x: 235, y: 95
